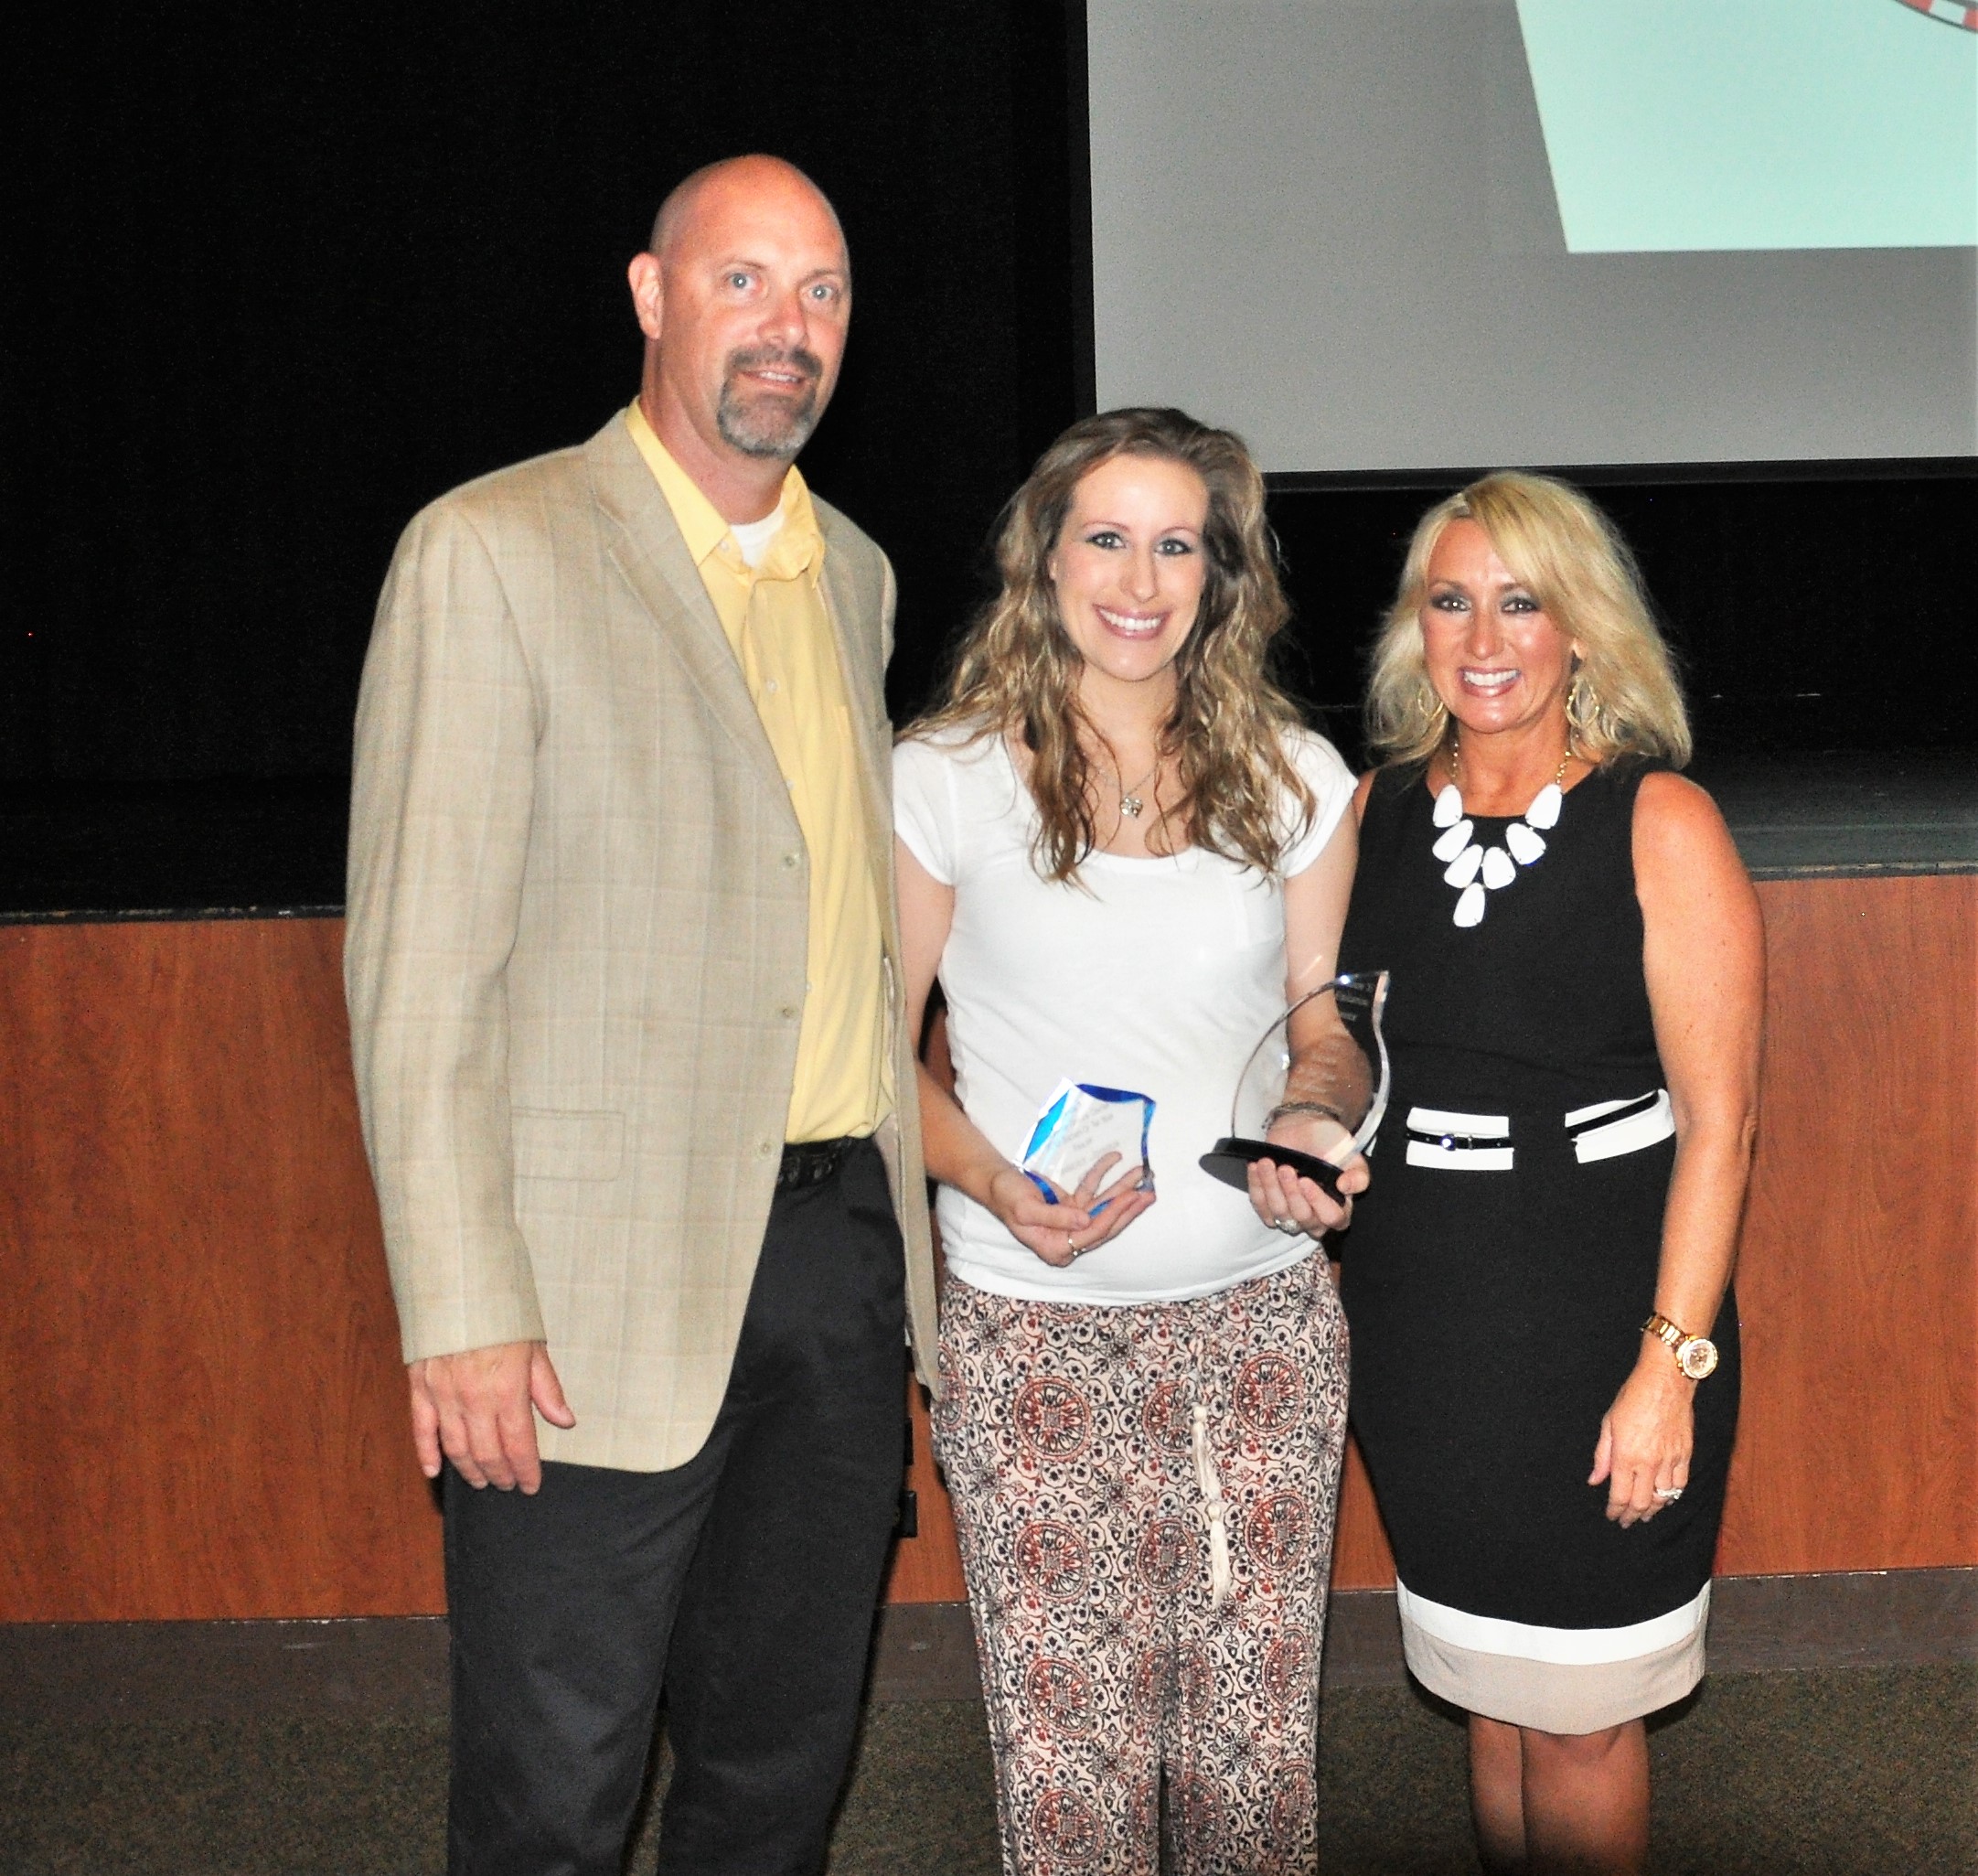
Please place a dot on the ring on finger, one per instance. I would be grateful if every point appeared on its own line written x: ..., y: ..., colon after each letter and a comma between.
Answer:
x: 1669, y: 1494
x: 1289, y: 1226
x: 1070, y: 1246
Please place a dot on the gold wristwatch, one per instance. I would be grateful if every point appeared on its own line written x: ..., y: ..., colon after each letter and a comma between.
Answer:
x: 1696, y: 1355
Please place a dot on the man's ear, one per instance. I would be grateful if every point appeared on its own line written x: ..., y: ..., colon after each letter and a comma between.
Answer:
x: 647, y: 282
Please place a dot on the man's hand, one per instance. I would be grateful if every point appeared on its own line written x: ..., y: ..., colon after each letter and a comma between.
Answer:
x: 475, y: 1406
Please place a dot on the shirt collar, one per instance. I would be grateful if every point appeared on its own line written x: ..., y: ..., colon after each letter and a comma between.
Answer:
x: 798, y: 544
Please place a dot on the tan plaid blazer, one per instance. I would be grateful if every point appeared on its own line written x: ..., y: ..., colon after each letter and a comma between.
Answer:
x: 574, y: 953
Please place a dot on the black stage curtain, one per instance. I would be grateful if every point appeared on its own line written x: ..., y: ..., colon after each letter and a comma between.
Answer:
x: 280, y: 276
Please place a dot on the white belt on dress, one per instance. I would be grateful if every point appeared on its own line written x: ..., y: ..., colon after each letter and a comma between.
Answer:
x: 1482, y: 1143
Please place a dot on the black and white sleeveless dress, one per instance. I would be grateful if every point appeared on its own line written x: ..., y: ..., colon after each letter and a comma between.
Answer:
x: 1501, y: 1266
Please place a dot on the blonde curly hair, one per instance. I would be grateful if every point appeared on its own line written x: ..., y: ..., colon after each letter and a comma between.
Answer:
x: 1016, y: 672
x: 1623, y: 698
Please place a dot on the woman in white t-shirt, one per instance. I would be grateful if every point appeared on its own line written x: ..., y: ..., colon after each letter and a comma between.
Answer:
x: 1122, y: 854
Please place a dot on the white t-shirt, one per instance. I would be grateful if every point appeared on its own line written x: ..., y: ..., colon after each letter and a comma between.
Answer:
x: 1157, y: 976
x: 753, y: 537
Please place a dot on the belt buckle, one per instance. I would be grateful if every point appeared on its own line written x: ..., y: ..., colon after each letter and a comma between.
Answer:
x: 1457, y: 1143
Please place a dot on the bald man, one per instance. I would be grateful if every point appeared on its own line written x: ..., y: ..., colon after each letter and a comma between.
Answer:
x: 622, y: 972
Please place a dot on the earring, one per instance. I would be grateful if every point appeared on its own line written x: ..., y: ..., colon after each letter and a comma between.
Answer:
x: 1586, y: 717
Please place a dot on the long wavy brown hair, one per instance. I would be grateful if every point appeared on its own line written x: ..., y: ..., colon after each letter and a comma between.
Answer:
x: 1016, y: 670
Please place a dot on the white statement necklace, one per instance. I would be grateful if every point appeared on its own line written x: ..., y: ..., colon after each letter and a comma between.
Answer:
x: 1477, y: 870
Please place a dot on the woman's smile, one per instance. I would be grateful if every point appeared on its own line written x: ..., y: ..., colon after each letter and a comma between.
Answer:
x: 1127, y: 568
x: 1474, y: 615
x: 1131, y: 625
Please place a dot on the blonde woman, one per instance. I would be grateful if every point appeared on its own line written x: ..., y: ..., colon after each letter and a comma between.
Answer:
x: 1121, y: 853
x: 1544, y: 1340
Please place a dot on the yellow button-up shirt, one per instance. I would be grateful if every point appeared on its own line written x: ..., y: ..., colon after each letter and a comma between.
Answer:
x: 776, y: 619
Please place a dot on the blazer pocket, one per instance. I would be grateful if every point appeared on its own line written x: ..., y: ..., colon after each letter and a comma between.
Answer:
x: 566, y: 1143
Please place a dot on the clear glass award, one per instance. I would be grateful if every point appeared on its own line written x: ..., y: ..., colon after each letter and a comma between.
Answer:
x: 1323, y: 1058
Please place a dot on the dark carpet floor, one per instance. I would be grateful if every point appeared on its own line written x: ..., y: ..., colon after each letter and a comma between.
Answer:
x: 1846, y: 1772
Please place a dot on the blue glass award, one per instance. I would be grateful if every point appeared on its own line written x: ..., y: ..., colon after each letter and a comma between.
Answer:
x: 1080, y: 1124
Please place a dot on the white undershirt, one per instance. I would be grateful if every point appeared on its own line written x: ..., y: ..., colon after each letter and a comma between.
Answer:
x: 1157, y: 976
x: 753, y: 537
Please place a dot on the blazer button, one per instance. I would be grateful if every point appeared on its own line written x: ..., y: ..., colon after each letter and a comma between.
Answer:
x: 764, y: 1149
x: 789, y: 1013
x: 790, y: 861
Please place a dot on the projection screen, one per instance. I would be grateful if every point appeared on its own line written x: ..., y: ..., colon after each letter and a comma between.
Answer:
x: 1386, y: 235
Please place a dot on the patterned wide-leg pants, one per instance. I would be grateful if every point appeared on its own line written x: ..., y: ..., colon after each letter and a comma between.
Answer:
x: 1145, y: 1496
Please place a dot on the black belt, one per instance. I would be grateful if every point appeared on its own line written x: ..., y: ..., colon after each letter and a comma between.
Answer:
x: 812, y: 1161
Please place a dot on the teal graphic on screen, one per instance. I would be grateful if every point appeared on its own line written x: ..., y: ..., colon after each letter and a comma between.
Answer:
x: 1724, y: 124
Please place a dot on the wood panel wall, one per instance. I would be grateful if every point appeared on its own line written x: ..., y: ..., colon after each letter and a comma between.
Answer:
x: 203, y: 1411
x: 1857, y: 1285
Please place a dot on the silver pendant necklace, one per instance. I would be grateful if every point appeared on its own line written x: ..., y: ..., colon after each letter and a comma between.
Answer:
x: 1130, y: 803
x: 1477, y: 870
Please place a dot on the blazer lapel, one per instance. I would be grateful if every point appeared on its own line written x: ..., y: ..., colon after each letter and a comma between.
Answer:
x: 862, y: 679
x: 645, y: 544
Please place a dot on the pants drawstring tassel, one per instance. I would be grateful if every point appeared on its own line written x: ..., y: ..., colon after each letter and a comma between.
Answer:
x: 1213, y: 1515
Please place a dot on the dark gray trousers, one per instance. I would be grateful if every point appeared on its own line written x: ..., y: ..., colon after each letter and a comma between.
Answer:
x: 742, y: 1583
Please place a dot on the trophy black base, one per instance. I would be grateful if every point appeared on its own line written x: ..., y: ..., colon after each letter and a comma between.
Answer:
x: 1231, y: 1160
